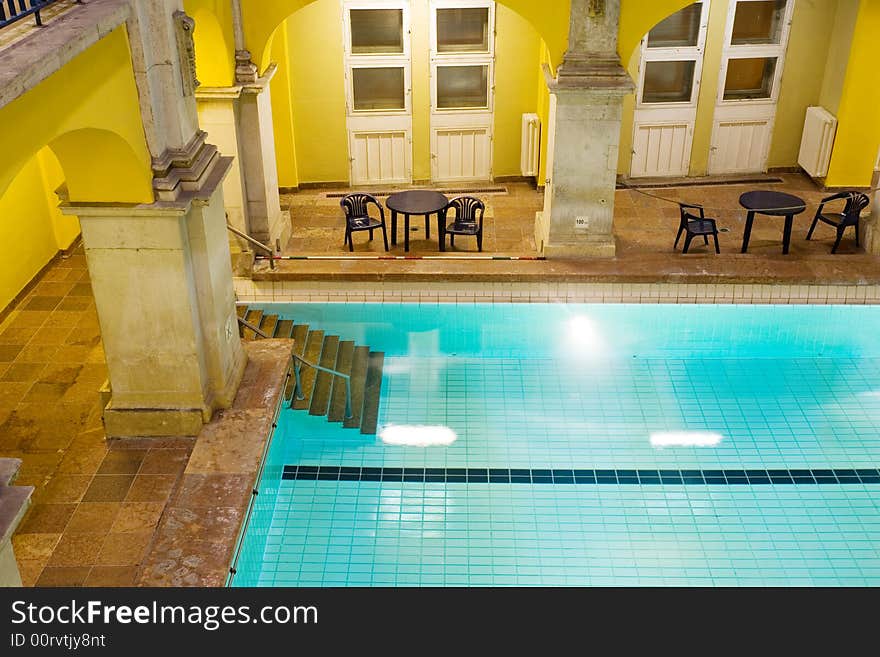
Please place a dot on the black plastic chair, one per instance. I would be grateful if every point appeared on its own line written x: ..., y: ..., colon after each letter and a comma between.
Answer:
x: 849, y: 216
x: 357, y: 217
x: 468, y: 219
x: 695, y: 224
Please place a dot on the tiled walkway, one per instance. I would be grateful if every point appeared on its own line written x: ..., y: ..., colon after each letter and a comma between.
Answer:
x: 644, y: 227
x: 96, y: 506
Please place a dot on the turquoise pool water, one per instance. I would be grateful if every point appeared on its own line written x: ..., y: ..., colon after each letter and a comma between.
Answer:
x: 594, y: 445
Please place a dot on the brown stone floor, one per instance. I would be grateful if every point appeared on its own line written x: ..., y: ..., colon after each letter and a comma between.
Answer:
x: 644, y: 226
x: 152, y: 512
x: 96, y: 505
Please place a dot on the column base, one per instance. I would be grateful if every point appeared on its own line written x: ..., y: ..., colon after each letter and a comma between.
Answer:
x: 587, y: 249
x: 591, y: 246
x: 153, y: 422
x: 9, y: 574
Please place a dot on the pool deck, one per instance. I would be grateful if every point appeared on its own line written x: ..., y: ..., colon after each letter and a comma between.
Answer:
x: 644, y: 226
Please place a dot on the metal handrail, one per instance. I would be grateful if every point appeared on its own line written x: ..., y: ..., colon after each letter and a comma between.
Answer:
x: 256, y: 243
x: 252, y: 327
x: 9, y: 13
x: 297, y: 390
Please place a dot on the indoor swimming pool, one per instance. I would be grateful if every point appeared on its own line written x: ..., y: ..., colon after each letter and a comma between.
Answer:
x: 633, y: 445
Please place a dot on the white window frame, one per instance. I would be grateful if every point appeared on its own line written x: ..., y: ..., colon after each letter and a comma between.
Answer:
x: 490, y: 79
x: 462, y: 4
x: 675, y: 54
x: 754, y: 51
x: 378, y: 63
x: 464, y: 58
x: 377, y: 60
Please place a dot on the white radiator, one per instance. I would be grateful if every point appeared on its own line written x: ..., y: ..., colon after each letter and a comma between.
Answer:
x: 531, y: 145
x: 817, y: 141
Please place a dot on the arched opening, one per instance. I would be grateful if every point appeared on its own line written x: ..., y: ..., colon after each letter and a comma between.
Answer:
x: 214, y: 51
x: 30, y: 222
x: 87, y: 165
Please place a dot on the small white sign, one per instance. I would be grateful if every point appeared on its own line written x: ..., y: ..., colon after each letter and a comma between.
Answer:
x: 582, y: 223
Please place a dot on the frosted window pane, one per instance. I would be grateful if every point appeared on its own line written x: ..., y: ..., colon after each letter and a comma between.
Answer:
x: 758, y: 22
x: 376, y: 31
x: 668, y: 82
x: 462, y: 86
x: 680, y: 30
x: 378, y: 88
x: 463, y: 30
x: 749, y: 78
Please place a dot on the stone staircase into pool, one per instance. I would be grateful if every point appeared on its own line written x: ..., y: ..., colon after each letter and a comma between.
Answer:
x: 323, y: 393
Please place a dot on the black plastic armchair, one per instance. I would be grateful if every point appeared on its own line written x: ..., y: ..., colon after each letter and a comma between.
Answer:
x: 695, y: 222
x: 357, y: 217
x: 855, y: 202
x: 467, y: 219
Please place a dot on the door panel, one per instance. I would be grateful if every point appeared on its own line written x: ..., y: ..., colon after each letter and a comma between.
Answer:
x: 740, y: 146
x: 461, y: 154
x: 661, y: 150
x: 379, y: 157
x: 668, y: 88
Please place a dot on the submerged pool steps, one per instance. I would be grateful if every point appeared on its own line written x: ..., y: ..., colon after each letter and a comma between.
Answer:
x: 323, y: 393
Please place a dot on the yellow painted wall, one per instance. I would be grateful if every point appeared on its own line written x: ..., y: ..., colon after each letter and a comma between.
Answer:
x: 517, y: 57
x: 65, y: 228
x: 838, y: 54
x: 801, y: 85
x: 88, y: 115
x: 214, y: 41
x: 88, y: 112
x: 858, y: 131
x: 316, y: 71
x: 282, y: 110
x: 31, y: 223
x: 543, y: 109
x: 421, y: 89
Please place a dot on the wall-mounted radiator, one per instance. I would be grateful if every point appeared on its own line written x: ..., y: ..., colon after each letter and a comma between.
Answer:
x: 817, y: 141
x: 531, y: 145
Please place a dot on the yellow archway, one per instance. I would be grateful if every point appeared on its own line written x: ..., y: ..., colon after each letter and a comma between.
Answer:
x: 89, y: 113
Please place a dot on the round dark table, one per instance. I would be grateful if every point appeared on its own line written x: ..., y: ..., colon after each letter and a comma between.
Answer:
x: 418, y: 201
x: 775, y: 204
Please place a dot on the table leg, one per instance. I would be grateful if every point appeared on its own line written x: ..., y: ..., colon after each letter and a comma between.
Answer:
x: 393, y: 228
x: 427, y: 226
x: 406, y: 233
x: 786, y: 233
x: 441, y: 229
x: 747, y: 233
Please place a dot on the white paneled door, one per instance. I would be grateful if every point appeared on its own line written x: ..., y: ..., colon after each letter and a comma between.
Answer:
x: 666, y: 103
x: 378, y: 90
x: 461, y: 154
x: 755, y: 41
x: 462, y: 70
x: 379, y: 157
x: 740, y: 146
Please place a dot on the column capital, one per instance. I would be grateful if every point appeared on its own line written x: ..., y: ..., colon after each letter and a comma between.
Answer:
x: 246, y: 71
x: 261, y: 82
x: 586, y: 72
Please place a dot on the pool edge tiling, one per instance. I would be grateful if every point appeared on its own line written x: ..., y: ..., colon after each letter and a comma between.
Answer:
x: 280, y: 291
x: 700, y: 446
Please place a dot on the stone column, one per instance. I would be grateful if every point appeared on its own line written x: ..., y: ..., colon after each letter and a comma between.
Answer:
x: 162, y: 281
x: 161, y: 271
x: 586, y: 104
x: 219, y: 117
x: 256, y: 136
